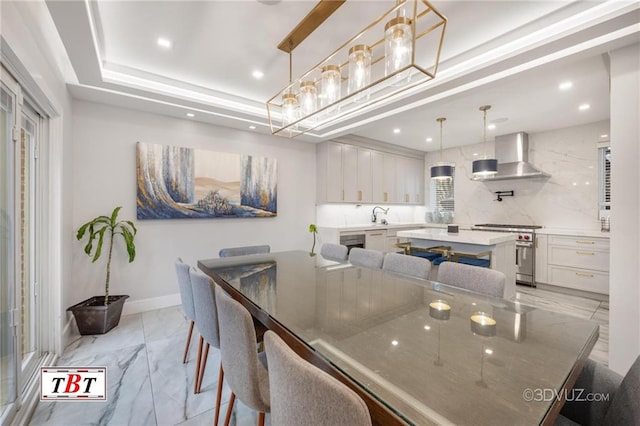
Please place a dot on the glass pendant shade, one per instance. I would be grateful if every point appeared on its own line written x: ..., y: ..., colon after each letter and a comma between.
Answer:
x: 330, y: 82
x: 359, y: 67
x: 290, y: 108
x: 308, y: 97
x: 485, y: 167
x: 398, y: 47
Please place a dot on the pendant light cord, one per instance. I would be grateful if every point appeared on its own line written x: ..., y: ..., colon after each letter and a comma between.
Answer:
x: 440, y: 120
x: 484, y: 109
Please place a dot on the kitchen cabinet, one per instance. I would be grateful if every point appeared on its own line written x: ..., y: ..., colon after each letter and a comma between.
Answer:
x: 376, y: 240
x: 577, y: 262
x: 541, y: 262
x: 353, y: 174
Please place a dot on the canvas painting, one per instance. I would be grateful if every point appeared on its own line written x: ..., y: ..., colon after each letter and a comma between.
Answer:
x: 176, y: 183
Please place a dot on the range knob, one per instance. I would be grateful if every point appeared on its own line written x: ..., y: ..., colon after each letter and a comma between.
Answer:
x: 527, y: 237
x: 519, y: 236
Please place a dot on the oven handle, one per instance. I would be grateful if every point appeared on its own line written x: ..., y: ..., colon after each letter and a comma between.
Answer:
x: 523, y: 244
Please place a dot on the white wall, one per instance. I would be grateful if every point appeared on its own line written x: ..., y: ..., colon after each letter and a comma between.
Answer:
x: 568, y: 199
x: 104, y: 140
x: 624, y: 297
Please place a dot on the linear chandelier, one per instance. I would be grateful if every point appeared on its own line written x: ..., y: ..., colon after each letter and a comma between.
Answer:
x: 396, y: 52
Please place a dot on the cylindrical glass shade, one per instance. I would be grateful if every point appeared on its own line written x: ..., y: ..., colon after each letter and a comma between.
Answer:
x: 442, y: 171
x: 359, y: 67
x: 330, y: 82
x: 290, y: 108
x: 308, y: 98
x: 485, y: 167
x: 397, y: 44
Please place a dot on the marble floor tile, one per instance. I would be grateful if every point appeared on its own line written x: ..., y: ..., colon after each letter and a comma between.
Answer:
x: 129, y: 398
x: 557, y: 302
x: 166, y: 322
x: 128, y: 333
x: 241, y: 416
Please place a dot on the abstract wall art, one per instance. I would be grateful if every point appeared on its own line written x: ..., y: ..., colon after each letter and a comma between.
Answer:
x: 177, y: 183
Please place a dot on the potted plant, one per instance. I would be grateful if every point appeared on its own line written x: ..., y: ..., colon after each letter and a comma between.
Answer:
x: 314, y: 230
x: 99, y: 314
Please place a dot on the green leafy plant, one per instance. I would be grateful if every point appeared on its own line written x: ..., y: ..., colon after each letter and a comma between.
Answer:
x: 95, y: 231
x: 314, y: 230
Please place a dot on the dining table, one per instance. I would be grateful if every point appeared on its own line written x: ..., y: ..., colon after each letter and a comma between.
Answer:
x: 418, y: 352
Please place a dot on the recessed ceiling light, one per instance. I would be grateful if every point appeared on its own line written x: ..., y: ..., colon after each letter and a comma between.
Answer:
x: 252, y: 127
x: 429, y: 139
x: 396, y: 131
x: 257, y: 74
x: 394, y: 342
x: 565, y: 85
x: 475, y: 154
x: 584, y: 107
x: 491, y: 126
x: 604, y: 136
x: 190, y: 114
x: 164, y: 43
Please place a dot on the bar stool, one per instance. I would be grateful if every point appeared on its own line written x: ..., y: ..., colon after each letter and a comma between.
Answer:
x: 482, y: 260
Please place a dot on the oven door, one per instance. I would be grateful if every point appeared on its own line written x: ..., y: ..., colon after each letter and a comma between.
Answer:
x: 524, y: 263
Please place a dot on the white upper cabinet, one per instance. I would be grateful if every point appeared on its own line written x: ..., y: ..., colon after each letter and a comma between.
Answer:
x: 354, y: 174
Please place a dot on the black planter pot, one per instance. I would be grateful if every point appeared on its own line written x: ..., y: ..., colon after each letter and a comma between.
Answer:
x: 93, y: 317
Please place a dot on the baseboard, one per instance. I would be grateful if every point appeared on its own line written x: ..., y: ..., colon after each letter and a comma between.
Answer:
x: 151, y: 304
x: 31, y: 394
x: 69, y: 332
x: 573, y: 292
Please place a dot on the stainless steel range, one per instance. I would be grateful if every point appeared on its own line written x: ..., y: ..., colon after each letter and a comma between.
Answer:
x: 525, y: 248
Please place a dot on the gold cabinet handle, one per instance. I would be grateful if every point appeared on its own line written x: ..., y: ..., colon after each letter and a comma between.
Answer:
x: 359, y: 195
x: 406, y: 198
x: 582, y: 274
x: 585, y: 242
x: 343, y: 195
x: 588, y: 253
x: 385, y: 197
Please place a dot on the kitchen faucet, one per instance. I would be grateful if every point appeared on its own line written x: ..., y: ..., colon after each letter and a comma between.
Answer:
x: 374, y: 218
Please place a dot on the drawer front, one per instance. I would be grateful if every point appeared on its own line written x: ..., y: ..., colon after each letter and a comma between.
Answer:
x: 579, y: 258
x: 579, y: 279
x: 581, y: 242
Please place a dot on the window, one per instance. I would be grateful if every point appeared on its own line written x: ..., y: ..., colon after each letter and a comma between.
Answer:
x: 604, y: 180
x: 441, y: 199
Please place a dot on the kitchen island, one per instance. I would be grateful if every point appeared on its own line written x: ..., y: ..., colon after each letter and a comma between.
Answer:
x: 501, y: 245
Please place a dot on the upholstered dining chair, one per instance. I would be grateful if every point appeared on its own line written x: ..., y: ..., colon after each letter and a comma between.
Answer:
x: 186, y: 297
x: 474, y: 278
x: 407, y: 265
x: 302, y: 394
x: 621, y: 405
x: 246, y: 371
x: 241, y: 251
x: 334, y: 251
x: 366, y: 257
x: 207, y: 323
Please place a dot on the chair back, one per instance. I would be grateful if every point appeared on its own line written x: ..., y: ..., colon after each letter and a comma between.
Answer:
x: 239, y: 355
x: 474, y: 278
x: 407, y: 265
x: 334, y: 251
x: 186, y: 293
x: 366, y: 257
x: 303, y: 394
x: 625, y: 405
x: 205, y: 307
x: 241, y: 251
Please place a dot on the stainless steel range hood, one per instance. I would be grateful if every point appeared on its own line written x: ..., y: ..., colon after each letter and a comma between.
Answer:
x: 512, y: 153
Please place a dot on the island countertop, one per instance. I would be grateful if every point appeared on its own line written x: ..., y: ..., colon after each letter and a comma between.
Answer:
x: 482, y: 238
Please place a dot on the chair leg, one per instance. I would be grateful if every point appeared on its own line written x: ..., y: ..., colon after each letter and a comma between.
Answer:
x: 197, y: 378
x: 186, y: 347
x: 232, y: 401
x: 261, y: 419
x: 205, y: 357
x: 219, y: 395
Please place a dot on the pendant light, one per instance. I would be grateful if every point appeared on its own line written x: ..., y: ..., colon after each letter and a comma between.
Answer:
x: 485, y: 166
x: 441, y: 170
x: 290, y: 104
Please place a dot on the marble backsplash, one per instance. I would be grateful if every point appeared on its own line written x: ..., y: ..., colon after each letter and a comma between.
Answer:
x: 337, y: 215
x: 567, y: 199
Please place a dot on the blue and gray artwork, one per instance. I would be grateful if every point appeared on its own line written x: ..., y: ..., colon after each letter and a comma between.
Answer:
x: 175, y: 182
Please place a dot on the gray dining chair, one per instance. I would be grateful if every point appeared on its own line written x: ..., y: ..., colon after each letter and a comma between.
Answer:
x: 247, y: 373
x: 207, y: 322
x: 366, y: 257
x: 621, y: 405
x: 334, y: 251
x: 186, y: 297
x: 407, y: 265
x: 302, y: 394
x: 241, y: 251
x: 474, y: 278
